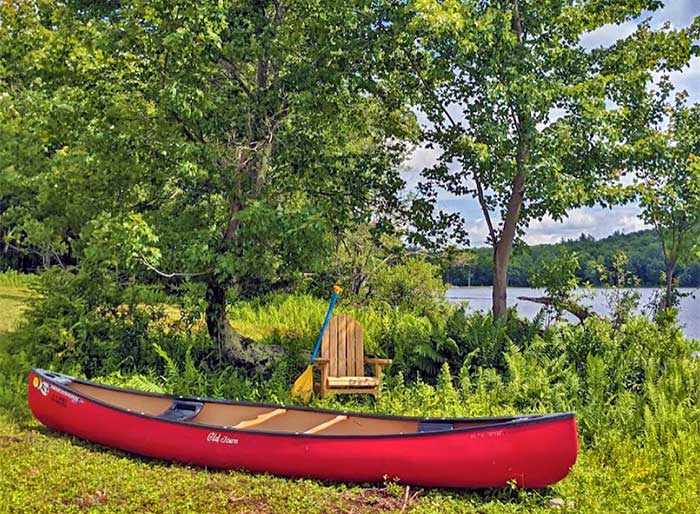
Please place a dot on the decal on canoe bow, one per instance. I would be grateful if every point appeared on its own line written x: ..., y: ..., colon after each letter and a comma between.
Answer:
x: 216, y: 437
x: 73, y: 398
x: 41, y: 385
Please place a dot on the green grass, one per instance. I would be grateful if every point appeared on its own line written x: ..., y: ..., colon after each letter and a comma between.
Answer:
x: 42, y: 471
x: 13, y: 301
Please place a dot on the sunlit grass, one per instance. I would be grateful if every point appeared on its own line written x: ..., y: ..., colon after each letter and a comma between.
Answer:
x: 13, y: 302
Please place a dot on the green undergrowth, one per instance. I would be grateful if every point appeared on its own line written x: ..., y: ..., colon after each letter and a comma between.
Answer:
x: 634, y: 387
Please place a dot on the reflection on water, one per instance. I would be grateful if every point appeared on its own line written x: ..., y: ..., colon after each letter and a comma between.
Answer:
x: 479, y: 298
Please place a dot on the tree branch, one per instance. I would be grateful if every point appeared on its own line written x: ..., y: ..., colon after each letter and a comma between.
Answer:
x: 429, y: 90
x: 577, y: 310
x: 171, y: 275
x: 232, y: 69
x: 485, y: 210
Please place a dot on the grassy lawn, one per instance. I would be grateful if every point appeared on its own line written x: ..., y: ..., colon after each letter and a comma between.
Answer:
x: 13, y: 301
x: 42, y: 471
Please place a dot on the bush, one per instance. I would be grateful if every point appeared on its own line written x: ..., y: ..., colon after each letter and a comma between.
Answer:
x: 635, y: 379
x: 89, y: 324
x: 413, y: 286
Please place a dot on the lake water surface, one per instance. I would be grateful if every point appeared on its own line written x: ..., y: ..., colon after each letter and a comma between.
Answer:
x: 479, y: 298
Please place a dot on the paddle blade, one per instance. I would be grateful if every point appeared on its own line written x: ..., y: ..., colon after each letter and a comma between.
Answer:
x: 304, y: 385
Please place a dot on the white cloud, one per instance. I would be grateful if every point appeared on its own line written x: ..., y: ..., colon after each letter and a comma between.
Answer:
x: 421, y: 158
x: 678, y: 12
x: 597, y: 222
x: 607, y: 34
x: 688, y: 80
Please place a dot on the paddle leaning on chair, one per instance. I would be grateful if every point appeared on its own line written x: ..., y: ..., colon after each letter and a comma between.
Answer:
x: 303, y: 386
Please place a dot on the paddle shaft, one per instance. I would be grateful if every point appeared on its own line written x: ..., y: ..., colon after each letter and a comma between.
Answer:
x: 317, y: 348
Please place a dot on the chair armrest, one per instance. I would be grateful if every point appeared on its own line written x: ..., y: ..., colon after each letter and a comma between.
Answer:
x: 323, y: 364
x: 378, y: 364
x: 382, y: 362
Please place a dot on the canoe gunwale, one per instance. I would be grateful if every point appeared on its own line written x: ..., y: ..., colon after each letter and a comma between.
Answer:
x: 505, y: 422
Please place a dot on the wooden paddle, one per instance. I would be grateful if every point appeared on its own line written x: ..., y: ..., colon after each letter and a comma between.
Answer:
x: 304, y: 385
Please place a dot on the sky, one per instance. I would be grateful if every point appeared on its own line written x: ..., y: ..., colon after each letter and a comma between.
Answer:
x: 596, y: 221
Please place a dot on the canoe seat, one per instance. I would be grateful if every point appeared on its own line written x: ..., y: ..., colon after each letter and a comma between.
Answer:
x: 434, y: 426
x: 342, y: 361
x: 182, y: 410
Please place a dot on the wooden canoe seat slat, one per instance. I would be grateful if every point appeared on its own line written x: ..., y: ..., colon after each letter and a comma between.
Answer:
x: 325, y: 425
x: 262, y: 418
x: 353, y: 381
x: 342, y: 361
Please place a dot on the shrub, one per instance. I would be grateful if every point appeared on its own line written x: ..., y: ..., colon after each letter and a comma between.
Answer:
x: 86, y: 322
x: 414, y: 286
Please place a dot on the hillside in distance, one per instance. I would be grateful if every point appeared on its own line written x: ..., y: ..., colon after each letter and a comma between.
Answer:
x: 643, y: 250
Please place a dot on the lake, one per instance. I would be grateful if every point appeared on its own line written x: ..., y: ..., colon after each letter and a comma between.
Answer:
x: 479, y: 298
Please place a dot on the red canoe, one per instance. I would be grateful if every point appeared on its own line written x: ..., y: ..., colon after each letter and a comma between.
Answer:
x: 532, y: 451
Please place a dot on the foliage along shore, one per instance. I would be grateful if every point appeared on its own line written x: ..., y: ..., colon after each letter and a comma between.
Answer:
x: 642, y: 248
x: 636, y: 402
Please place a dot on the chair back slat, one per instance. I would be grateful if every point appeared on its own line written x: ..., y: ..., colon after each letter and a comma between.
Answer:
x: 350, y: 346
x: 359, y: 370
x: 342, y: 345
x: 333, y: 345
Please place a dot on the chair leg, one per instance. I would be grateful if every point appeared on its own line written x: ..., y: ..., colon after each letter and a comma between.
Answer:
x: 323, y: 386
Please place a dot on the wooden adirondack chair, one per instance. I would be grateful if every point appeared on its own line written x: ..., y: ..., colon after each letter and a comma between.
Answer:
x: 342, y: 361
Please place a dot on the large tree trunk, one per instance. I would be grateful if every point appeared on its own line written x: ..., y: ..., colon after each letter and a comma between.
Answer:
x: 231, y: 347
x: 234, y: 350
x: 504, y: 247
x: 217, y: 325
x: 499, y: 292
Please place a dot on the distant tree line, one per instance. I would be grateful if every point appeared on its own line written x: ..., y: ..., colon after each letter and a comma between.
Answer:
x: 643, y: 249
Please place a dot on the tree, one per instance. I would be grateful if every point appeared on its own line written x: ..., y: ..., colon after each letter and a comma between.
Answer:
x: 235, y: 138
x: 668, y: 171
x: 527, y: 121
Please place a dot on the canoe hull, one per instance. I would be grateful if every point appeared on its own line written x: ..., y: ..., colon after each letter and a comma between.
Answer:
x: 531, y: 454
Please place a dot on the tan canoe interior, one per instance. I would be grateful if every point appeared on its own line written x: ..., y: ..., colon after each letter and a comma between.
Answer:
x: 267, y: 419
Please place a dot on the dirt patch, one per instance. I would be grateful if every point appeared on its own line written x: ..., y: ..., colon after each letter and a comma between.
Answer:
x: 87, y: 500
x: 254, y: 504
x: 384, y: 499
x: 8, y: 440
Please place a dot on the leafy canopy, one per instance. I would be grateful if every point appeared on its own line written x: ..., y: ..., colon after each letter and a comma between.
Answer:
x: 195, y: 119
x: 517, y: 106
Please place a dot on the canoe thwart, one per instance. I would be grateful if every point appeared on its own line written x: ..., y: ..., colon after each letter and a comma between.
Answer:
x: 323, y: 426
x: 262, y: 418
